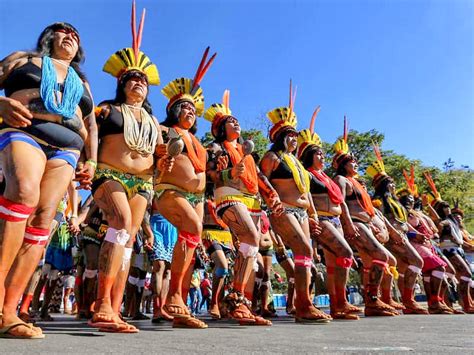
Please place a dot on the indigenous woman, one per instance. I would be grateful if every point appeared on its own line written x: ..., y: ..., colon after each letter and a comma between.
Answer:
x: 434, y: 267
x: 180, y: 192
x: 47, y: 120
x: 237, y: 204
x: 409, y: 262
x: 357, y: 216
x: 450, y: 242
x: 122, y: 186
x: 327, y: 199
x: 292, y: 182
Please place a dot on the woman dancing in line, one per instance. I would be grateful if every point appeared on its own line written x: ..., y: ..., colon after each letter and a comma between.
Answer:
x: 357, y: 218
x: 123, y: 184
x: 450, y: 242
x: 47, y: 120
x: 180, y: 192
x: 434, y: 267
x: 410, y: 263
x: 237, y: 204
x: 327, y: 199
x: 292, y: 182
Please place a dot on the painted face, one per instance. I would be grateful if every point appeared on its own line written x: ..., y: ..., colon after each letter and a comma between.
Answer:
x: 410, y: 201
x: 447, y: 210
x: 291, y: 142
x: 232, y: 128
x: 136, y: 88
x: 458, y: 217
x: 391, y: 187
x: 65, y: 43
x: 318, y: 159
x: 187, y: 115
x: 351, y: 167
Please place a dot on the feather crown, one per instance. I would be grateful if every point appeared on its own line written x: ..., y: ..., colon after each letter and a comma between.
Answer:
x: 341, y: 148
x: 216, y: 113
x: 128, y: 59
x: 307, y: 137
x: 185, y: 89
x: 283, y: 118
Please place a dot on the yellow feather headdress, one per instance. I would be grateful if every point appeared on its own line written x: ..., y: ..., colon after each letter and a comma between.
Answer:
x: 307, y: 137
x: 341, y: 148
x: 283, y: 118
x: 411, y: 188
x: 185, y: 89
x: 377, y: 169
x: 128, y: 59
x: 216, y: 113
x: 434, y: 196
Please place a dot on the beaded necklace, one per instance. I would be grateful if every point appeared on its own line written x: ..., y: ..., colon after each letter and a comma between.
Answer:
x: 73, y: 90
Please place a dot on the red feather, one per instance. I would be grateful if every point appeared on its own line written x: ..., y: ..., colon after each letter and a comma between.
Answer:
x: 134, y: 33
x: 226, y: 98
x: 140, y: 32
x: 313, y: 119
x: 344, y: 136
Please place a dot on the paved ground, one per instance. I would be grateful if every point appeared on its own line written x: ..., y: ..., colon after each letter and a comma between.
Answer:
x: 418, y: 334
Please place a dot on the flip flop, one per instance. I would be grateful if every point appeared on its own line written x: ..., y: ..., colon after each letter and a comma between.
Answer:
x: 304, y: 320
x: 4, y: 331
x: 190, y: 323
x: 257, y: 321
x: 126, y: 329
x: 182, y: 312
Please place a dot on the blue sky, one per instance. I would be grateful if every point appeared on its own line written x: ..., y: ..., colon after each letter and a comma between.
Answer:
x: 404, y: 68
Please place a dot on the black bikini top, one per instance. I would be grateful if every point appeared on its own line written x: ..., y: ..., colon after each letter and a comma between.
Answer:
x: 112, y: 124
x: 356, y: 195
x: 281, y: 172
x: 317, y: 187
x: 28, y: 76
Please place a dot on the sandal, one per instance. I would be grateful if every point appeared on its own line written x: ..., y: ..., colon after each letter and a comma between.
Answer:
x: 190, y: 323
x: 4, y: 331
x: 123, y: 328
x: 177, y: 311
x: 257, y: 321
x: 238, y: 307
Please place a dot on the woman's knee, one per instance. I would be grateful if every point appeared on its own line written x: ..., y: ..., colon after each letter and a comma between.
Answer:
x: 43, y: 216
x: 23, y: 192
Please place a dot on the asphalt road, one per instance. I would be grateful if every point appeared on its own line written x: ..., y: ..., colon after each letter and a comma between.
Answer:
x: 416, y: 334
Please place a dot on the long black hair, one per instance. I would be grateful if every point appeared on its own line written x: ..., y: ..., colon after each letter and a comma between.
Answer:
x: 308, y: 155
x: 279, y: 143
x: 44, y: 45
x: 172, y: 116
x: 221, y: 135
x: 120, y: 96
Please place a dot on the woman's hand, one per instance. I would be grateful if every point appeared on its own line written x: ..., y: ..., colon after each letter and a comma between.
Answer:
x: 14, y: 113
x: 314, y: 227
x: 165, y: 163
x: 238, y: 170
x: 85, y: 174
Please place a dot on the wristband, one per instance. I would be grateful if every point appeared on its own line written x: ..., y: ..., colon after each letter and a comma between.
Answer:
x: 92, y: 163
x: 411, y: 235
x: 226, y: 175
